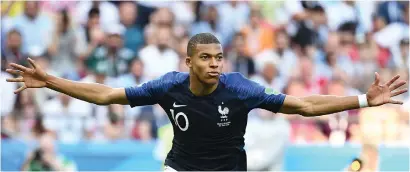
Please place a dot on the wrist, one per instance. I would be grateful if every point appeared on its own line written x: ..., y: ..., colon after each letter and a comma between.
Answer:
x: 363, y: 101
x: 48, y: 80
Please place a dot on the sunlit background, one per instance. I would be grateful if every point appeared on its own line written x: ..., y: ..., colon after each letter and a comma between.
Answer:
x: 298, y: 48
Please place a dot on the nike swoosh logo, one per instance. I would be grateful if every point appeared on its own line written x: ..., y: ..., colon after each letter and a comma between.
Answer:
x: 175, y: 105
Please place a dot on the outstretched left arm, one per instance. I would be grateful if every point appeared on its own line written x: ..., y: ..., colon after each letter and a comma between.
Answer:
x: 317, y: 105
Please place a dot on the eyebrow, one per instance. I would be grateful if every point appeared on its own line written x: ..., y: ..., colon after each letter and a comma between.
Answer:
x: 210, y: 54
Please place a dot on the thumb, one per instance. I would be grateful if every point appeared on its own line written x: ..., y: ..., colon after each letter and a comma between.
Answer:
x: 377, y: 78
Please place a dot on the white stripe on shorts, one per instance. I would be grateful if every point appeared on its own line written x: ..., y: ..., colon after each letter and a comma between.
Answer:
x: 168, y: 168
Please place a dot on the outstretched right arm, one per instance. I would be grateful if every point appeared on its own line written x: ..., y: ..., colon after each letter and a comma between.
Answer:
x: 35, y: 77
x: 90, y: 92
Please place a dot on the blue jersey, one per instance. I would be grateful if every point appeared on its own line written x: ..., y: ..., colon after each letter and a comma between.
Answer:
x: 208, y: 130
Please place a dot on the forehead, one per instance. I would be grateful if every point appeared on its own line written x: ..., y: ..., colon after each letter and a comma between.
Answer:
x: 212, y: 49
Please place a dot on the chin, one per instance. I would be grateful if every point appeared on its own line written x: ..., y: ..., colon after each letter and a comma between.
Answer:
x: 211, y: 81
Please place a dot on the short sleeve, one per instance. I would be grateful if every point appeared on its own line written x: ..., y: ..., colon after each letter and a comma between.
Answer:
x: 253, y: 94
x: 150, y: 92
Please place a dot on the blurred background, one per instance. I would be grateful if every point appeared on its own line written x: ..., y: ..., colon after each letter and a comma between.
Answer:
x: 296, y: 47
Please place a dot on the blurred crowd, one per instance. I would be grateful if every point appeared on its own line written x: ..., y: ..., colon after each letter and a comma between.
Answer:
x: 296, y: 47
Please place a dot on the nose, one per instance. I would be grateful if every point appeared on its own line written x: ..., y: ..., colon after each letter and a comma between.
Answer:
x: 213, y: 63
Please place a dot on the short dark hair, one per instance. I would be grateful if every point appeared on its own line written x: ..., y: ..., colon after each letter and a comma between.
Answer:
x: 14, y: 31
x: 94, y: 12
x: 201, y: 38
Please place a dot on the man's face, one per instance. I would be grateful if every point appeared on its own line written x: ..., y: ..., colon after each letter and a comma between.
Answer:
x: 282, y: 40
x: 269, y: 71
x: 93, y: 21
x: 336, y: 88
x: 239, y: 44
x: 164, y: 36
x: 207, y: 63
x: 114, y: 41
x: 212, y: 14
x: 306, y: 67
x: 137, y: 68
x: 128, y: 13
x: 31, y: 8
x: 14, y: 41
x: 47, y: 144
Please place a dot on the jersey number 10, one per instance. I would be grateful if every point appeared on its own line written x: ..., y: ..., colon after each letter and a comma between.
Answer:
x: 175, y: 118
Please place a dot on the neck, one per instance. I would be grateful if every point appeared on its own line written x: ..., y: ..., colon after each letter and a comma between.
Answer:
x: 30, y: 17
x: 14, y: 50
x: 213, y: 24
x: 137, y: 78
x: 111, y: 51
x: 200, y: 89
x: 254, y: 26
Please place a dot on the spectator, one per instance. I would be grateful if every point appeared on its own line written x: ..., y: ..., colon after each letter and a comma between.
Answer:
x: 336, y: 58
x: 159, y: 59
x: 183, y: 12
x: 67, y: 118
x: 311, y: 80
x: 258, y: 37
x: 234, y: 15
x: 133, y: 36
x: 390, y: 11
x: 143, y: 129
x: 45, y: 158
x: 181, y: 49
x: 54, y: 7
x: 62, y: 51
x: 282, y: 54
x: 135, y: 77
x: 90, y: 35
x: 34, y: 26
x: 40, y: 96
x: 109, y: 12
x: 269, y: 77
x: 114, y: 130
x: 38, y: 129
x: 365, y: 67
x: 12, y: 50
x: 261, y: 154
x: 99, y: 114
x: 237, y: 54
x: 112, y: 52
x: 210, y: 22
x: 8, y: 98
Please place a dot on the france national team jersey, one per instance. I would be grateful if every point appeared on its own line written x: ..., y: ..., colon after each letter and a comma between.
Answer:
x: 208, y: 130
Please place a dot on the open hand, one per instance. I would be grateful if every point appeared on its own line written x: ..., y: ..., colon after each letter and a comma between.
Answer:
x: 30, y: 77
x: 382, y: 94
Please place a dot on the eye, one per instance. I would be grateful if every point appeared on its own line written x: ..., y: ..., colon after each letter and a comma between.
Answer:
x: 204, y: 57
x: 220, y: 57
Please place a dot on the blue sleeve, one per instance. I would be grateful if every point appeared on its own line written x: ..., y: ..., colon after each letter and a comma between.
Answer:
x: 253, y: 94
x: 150, y: 93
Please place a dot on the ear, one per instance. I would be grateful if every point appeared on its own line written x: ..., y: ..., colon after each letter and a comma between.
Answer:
x: 188, y: 61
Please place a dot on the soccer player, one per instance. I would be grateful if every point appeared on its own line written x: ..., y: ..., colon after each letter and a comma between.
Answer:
x: 208, y: 109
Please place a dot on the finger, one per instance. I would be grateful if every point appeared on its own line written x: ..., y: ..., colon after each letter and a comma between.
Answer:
x: 31, y: 61
x: 392, y: 80
x: 377, y: 79
x: 398, y: 92
x: 15, y: 80
x: 20, y: 89
x: 395, y: 86
x: 14, y: 72
x: 395, y: 102
x: 19, y: 67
